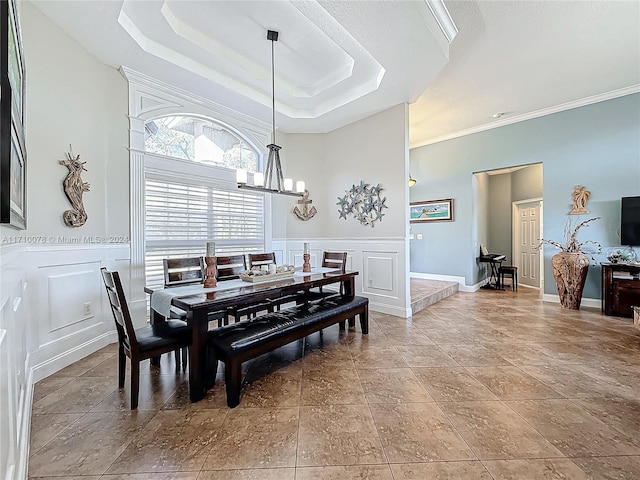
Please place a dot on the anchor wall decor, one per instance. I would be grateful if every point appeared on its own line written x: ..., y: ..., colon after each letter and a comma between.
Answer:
x: 305, y: 213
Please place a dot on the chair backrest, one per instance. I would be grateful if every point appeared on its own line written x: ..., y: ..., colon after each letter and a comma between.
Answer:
x: 119, y: 308
x: 228, y: 268
x: 337, y: 260
x: 259, y: 259
x: 183, y: 271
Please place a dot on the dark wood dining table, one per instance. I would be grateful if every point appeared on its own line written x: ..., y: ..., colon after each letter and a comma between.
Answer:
x: 199, y: 306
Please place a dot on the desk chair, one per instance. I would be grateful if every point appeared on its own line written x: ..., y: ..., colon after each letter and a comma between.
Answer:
x: 142, y: 343
x: 230, y: 268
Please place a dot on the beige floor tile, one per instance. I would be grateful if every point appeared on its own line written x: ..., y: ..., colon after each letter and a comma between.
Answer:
x: 49, y: 385
x: 343, y: 472
x: 154, y: 392
x: 90, y: 445
x: 494, y: 431
x: 592, y: 359
x: 511, y: 383
x: 278, y: 389
x: 418, y: 432
x: 152, y: 476
x: 46, y: 427
x: 339, y: 386
x: 573, y: 430
x: 535, y: 469
x: 78, y: 396
x: 183, y: 437
x: 452, y: 384
x: 467, y: 470
x: 254, y: 438
x: 618, y: 413
x: 365, y: 357
x: 474, y: 355
x: 425, y: 356
x: 338, y: 435
x: 392, y: 385
x: 250, y: 474
x: 610, y: 468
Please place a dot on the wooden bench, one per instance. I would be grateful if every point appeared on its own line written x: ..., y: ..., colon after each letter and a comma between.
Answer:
x: 242, y: 341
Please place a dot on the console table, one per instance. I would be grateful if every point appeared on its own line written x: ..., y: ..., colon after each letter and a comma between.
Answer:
x: 620, y: 288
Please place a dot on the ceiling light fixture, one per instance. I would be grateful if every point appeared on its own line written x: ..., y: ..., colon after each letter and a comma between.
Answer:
x: 272, y: 180
x: 412, y: 181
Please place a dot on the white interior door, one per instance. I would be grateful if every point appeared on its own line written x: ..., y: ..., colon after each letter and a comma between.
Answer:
x: 527, y: 232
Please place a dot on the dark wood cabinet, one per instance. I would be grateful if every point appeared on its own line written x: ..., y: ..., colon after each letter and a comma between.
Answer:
x: 620, y: 289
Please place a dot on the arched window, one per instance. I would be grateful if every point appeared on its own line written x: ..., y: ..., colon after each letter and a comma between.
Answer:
x: 199, y: 140
x: 187, y: 204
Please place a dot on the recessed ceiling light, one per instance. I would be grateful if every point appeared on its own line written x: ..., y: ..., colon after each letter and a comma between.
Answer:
x: 498, y: 115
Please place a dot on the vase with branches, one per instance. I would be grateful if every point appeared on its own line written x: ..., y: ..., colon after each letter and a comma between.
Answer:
x: 571, y: 264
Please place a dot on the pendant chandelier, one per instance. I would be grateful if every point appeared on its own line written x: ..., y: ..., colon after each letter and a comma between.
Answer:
x: 272, y: 181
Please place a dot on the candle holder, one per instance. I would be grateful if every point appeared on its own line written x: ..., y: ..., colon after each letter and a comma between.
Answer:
x: 210, y: 272
x: 306, y: 266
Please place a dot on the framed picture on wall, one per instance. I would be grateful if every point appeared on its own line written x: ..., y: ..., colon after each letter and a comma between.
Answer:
x: 431, y: 211
x: 13, y: 193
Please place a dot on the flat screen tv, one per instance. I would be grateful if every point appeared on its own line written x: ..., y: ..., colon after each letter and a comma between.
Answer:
x: 630, y: 221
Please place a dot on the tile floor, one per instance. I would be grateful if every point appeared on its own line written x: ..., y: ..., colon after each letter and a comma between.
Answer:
x: 486, y: 385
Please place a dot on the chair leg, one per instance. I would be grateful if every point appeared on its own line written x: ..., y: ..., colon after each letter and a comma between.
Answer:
x: 135, y: 383
x: 212, y: 368
x: 364, y: 320
x: 122, y: 366
x: 176, y: 354
x: 185, y: 359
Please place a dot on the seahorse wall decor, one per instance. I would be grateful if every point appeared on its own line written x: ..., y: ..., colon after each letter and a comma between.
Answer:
x: 74, y: 187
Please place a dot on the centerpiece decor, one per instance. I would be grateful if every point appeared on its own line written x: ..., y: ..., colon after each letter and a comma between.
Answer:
x: 210, y: 280
x: 571, y: 265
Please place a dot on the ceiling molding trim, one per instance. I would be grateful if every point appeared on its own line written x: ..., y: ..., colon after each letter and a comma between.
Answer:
x: 442, y: 16
x: 187, y: 102
x: 621, y: 92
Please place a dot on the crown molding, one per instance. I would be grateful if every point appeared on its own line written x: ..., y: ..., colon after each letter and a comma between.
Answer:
x: 442, y: 16
x: 621, y: 92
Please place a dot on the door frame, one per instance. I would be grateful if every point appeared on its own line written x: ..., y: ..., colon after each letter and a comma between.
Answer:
x: 514, y: 222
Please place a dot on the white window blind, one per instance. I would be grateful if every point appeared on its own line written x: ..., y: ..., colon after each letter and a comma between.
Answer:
x: 182, y: 215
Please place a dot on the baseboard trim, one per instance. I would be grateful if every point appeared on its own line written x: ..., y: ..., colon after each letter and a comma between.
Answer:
x: 462, y: 286
x: 389, y: 309
x: 63, y: 359
x: 24, y: 438
x: 586, y: 302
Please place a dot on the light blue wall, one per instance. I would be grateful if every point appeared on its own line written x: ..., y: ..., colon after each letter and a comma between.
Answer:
x: 597, y: 146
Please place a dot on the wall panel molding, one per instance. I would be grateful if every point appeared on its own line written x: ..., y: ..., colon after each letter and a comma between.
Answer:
x: 376, y: 260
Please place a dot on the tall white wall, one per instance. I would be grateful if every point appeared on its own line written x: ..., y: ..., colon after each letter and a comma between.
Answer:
x: 49, y: 271
x: 330, y: 164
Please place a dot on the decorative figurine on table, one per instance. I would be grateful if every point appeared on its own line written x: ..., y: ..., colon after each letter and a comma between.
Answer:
x: 210, y: 270
x: 306, y: 266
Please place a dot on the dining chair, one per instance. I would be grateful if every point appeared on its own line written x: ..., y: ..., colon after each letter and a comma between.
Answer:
x: 183, y: 272
x: 140, y: 343
x: 260, y: 259
x: 230, y: 268
x: 335, y: 260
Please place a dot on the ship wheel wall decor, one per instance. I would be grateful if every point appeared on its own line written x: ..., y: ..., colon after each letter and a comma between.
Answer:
x: 364, y: 202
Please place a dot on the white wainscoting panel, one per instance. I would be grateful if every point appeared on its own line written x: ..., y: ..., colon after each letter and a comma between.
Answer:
x: 380, y: 272
x: 382, y: 277
x: 44, y: 328
x: 71, y: 295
